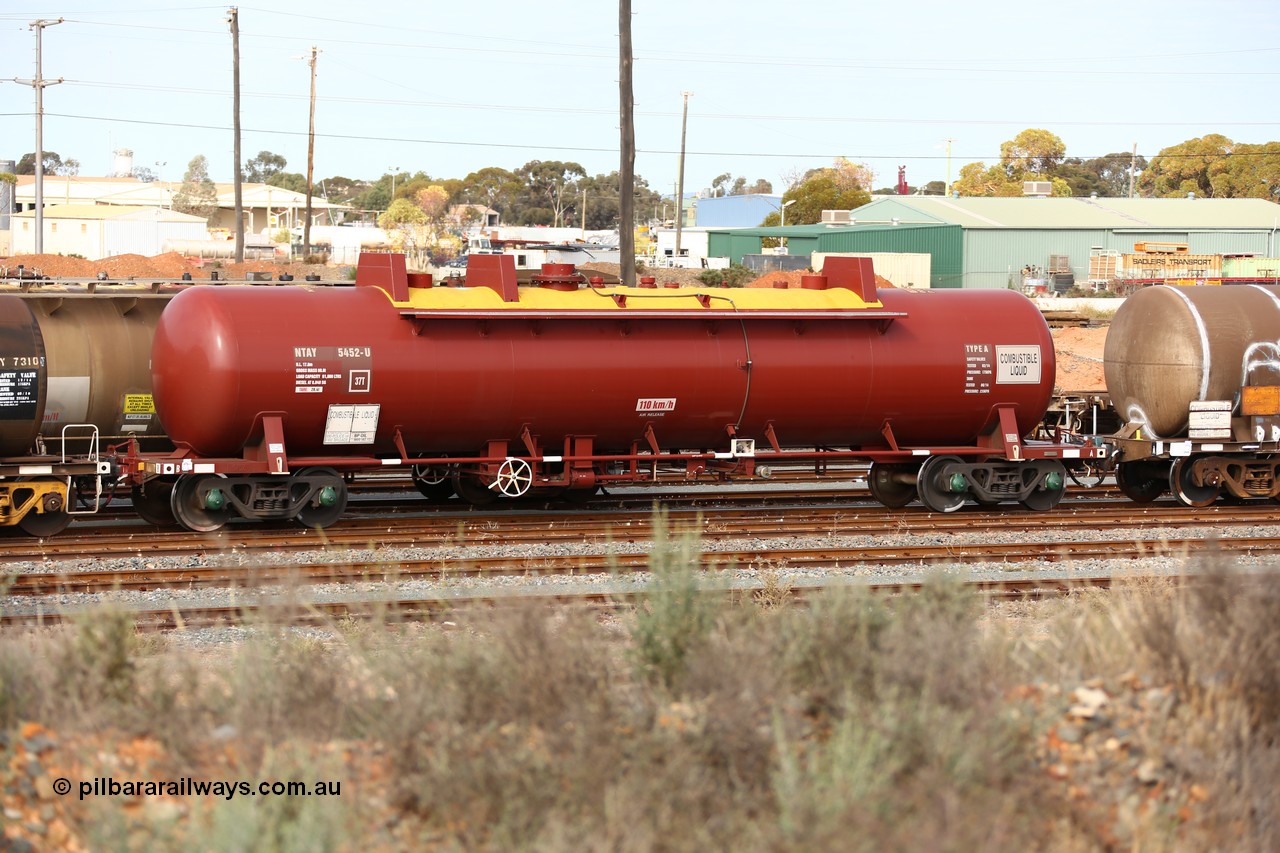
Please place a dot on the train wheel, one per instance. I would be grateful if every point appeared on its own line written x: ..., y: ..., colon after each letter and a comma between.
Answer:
x: 1136, y: 482
x: 152, y: 502
x: 890, y: 484
x: 199, y: 502
x: 472, y: 489
x: 1050, y: 495
x: 42, y: 525
x: 432, y: 482
x: 939, y: 489
x: 1185, y: 489
x: 329, y: 501
x: 52, y: 521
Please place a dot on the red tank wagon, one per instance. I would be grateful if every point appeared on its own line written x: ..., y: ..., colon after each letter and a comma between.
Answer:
x: 272, y: 395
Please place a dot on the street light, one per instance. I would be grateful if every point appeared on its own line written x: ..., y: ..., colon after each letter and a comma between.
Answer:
x: 160, y: 164
x: 783, y: 209
x: 782, y: 241
x: 394, y: 171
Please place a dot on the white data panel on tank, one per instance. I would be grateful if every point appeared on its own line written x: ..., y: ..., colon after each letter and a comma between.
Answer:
x: 351, y: 424
x: 67, y: 400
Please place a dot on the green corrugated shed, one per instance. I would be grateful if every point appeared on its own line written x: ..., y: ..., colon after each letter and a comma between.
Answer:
x: 1108, y: 214
x: 942, y: 242
x: 985, y: 242
x: 734, y: 243
x: 1001, y: 235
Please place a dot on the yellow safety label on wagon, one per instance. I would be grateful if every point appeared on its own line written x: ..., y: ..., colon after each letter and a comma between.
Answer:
x: 139, y: 404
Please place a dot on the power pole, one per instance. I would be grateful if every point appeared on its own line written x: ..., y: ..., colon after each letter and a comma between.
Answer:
x: 684, y: 123
x: 627, y: 166
x: 1133, y: 168
x: 233, y: 17
x: 311, y: 155
x: 946, y: 190
x: 38, y: 83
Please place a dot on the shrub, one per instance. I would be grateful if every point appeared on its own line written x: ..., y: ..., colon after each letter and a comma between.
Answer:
x: 735, y: 276
x: 1080, y: 292
x: 855, y: 722
x: 99, y: 656
x: 677, y: 615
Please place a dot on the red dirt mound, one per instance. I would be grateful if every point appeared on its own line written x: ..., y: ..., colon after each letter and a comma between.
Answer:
x: 169, y: 265
x: 55, y: 266
x: 1079, y: 353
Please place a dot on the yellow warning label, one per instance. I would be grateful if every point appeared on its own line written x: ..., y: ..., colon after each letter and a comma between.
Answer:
x: 139, y: 404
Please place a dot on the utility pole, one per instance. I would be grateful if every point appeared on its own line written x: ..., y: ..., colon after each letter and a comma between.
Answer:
x: 311, y: 155
x: 684, y: 123
x: 946, y: 190
x: 233, y: 18
x: 1133, y: 168
x: 582, y: 217
x: 627, y: 150
x: 38, y: 83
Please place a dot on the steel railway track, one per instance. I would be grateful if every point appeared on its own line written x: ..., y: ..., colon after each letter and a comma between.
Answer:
x: 790, y: 521
x: 429, y: 608
x: 825, y: 558
x: 713, y: 524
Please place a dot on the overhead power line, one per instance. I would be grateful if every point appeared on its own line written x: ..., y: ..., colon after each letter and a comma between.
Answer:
x: 754, y: 117
x: 577, y: 51
x: 603, y: 149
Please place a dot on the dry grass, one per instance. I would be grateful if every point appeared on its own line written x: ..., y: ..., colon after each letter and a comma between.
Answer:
x: 854, y: 723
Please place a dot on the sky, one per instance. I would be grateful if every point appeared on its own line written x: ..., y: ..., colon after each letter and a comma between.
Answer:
x: 775, y: 88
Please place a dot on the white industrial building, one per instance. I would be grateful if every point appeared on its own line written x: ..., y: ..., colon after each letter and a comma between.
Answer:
x: 72, y: 226
x: 99, y: 231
